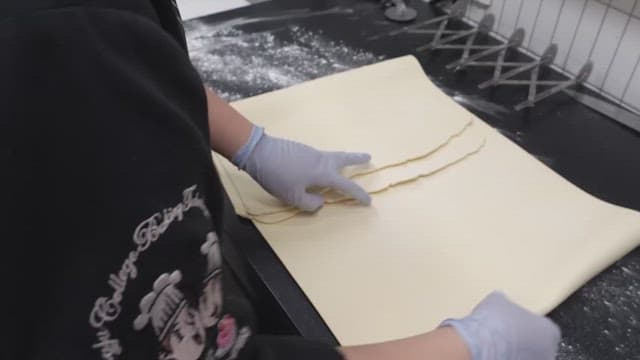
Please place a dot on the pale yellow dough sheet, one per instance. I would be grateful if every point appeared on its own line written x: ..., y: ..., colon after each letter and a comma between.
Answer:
x: 433, y: 248
x: 390, y: 110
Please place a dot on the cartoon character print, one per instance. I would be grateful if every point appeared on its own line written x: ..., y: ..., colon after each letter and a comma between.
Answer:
x: 210, y: 303
x: 186, y: 339
x: 230, y: 339
x: 181, y: 329
x: 177, y: 326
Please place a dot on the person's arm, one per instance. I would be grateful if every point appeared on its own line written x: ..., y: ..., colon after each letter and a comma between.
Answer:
x: 441, y: 344
x: 228, y: 129
x: 497, y: 329
x: 284, y: 168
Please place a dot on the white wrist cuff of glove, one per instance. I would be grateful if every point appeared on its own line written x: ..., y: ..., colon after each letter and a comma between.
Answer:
x: 467, y: 337
x: 241, y: 157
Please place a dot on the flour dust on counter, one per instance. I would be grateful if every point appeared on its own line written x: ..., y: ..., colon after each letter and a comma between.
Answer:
x: 239, y: 64
x: 608, y: 315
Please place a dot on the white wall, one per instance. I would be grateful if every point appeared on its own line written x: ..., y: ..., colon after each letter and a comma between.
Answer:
x: 604, y: 31
x: 190, y: 9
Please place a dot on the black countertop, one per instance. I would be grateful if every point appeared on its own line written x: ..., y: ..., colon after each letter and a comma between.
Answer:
x: 278, y: 43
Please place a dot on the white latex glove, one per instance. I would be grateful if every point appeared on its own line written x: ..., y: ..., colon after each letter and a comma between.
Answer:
x: 498, y: 329
x: 286, y: 169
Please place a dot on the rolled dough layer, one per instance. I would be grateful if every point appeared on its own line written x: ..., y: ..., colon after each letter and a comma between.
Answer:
x: 271, y: 210
x: 467, y: 143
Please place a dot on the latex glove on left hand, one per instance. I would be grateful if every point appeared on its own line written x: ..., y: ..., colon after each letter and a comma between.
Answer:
x: 286, y: 169
x: 498, y: 329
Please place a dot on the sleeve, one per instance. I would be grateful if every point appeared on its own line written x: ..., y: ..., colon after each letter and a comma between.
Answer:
x: 267, y: 346
x: 170, y: 19
x: 100, y: 107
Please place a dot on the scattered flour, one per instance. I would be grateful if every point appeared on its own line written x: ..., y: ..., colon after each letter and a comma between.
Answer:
x: 239, y: 64
x: 602, y: 319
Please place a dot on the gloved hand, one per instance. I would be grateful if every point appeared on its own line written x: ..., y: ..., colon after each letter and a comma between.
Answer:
x: 498, y: 329
x: 286, y: 169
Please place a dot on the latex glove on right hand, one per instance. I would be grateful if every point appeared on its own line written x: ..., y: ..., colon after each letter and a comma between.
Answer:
x: 498, y: 329
x: 287, y: 169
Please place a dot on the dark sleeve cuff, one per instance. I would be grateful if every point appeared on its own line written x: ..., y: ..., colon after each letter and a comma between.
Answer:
x: 262, y: 347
